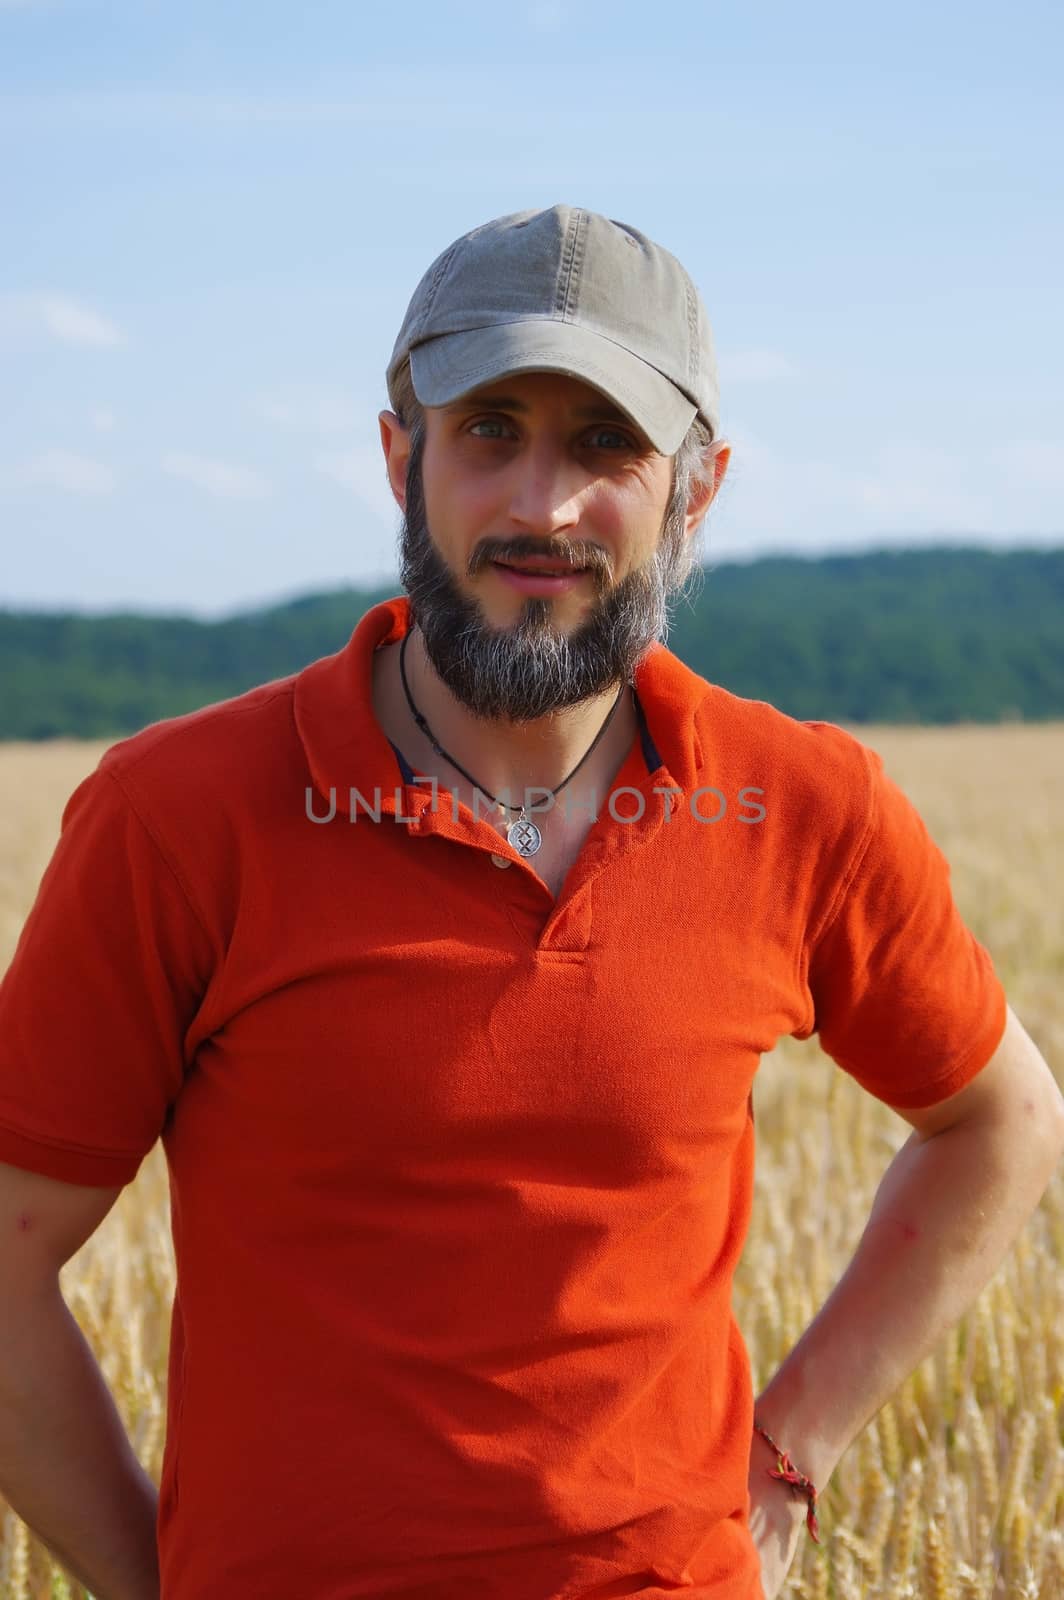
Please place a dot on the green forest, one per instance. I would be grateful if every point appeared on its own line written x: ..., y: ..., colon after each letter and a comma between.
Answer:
x: 929, y: 635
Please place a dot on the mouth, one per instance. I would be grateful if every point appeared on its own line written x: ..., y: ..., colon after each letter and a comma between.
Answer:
x: 541, y: 565
x: 539, y: 577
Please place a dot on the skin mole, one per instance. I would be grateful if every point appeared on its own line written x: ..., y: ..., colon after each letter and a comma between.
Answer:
x: 908, y: 1229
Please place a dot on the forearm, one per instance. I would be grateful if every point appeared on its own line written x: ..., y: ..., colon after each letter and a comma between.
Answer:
x: 944, y: 1216
x: 66, y: 1464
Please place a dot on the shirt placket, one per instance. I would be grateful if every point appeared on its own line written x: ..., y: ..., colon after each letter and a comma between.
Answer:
x: 629, y: 817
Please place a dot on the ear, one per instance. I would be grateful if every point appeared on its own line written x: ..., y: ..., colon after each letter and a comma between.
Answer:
x: 395, y: 440
x: 719, y: 454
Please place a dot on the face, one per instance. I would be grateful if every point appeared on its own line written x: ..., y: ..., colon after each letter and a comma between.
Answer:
x: 537, y: 464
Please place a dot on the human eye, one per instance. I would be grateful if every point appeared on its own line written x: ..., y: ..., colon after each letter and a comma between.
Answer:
x: 486, y: 422
x: 626, y: 442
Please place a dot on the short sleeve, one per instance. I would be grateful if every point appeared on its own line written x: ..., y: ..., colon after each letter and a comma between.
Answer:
x: 107, y: 977
x: 906, y: 999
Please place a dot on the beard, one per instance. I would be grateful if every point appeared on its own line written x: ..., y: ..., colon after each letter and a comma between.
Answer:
x: 531, y: 669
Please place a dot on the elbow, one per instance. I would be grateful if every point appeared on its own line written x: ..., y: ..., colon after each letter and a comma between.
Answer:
x: 1051, y: 1122
x: 1058, y: 1145
x: 1044, y: 1152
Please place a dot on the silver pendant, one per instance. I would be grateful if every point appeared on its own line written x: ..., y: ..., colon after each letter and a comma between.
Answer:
x: 524, y: 836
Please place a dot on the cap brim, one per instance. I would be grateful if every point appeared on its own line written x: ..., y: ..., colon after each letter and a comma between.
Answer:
x: 449, y: 366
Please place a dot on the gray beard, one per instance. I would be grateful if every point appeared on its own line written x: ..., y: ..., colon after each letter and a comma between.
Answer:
x: 521, y: 673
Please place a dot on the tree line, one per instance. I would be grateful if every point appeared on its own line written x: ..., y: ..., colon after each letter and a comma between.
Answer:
x: 931, y: 635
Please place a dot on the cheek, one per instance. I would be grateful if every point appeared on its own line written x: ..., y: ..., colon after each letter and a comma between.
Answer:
x: 456, y: 502
x: 458, y: 520
x: 631, y: 510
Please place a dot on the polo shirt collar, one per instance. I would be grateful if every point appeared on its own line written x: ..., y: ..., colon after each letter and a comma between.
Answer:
x: 346, y: 748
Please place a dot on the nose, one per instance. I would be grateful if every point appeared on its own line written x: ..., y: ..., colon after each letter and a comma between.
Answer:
x: 545, y: 487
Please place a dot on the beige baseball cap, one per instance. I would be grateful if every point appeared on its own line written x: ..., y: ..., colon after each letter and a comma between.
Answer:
x: 565, y: 290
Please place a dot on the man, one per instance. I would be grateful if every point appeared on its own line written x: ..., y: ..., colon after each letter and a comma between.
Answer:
x: 443, y: 969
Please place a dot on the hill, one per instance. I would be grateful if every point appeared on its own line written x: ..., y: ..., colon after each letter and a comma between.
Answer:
x: 932, y: 635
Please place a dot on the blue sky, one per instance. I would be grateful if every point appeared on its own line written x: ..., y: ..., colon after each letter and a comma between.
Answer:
x: 214, y: 215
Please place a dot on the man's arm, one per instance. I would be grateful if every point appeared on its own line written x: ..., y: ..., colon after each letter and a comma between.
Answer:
x: 949, y: 1206
x: 66, y: 1463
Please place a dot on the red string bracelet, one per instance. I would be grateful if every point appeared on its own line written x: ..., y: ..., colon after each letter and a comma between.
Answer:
x: 787, y: 1472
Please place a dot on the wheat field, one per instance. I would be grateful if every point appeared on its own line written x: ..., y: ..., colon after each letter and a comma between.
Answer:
x: 956, y: 1489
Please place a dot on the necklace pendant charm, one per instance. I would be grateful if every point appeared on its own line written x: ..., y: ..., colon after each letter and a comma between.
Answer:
x: 524, y: 836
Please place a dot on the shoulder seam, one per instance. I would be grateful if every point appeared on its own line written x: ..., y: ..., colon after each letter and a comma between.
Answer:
x: 164, y: 855
x: 286, y: 687
x: 860, y: 850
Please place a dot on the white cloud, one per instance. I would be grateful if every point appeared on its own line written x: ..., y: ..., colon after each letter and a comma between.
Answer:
x: 57, y: 315
x: 904, y: 487
x: 431, y: 101
x: 102, y: 419
x: 546, y: 16
x: 755, y: 366
x: 62, y: 469
x: 218, y: 478
x: 362, y: 471
x: 1036, y: 463
x: 310, y: 408
x: 918, y: 487
x: 76, y: 324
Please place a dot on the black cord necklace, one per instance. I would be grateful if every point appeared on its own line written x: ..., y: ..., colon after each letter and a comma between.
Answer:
x: 521, y: 833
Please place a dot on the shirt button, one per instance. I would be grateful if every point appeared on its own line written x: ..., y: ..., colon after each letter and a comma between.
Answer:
x: 502, y: 861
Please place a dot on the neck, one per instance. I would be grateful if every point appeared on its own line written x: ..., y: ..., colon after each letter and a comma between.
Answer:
x: 506, y: 755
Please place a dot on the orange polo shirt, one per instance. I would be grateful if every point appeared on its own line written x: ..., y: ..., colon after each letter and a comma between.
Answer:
x: 460, y: 1174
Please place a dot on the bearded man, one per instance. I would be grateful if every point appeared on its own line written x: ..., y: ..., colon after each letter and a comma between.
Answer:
x: 443, y: 969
